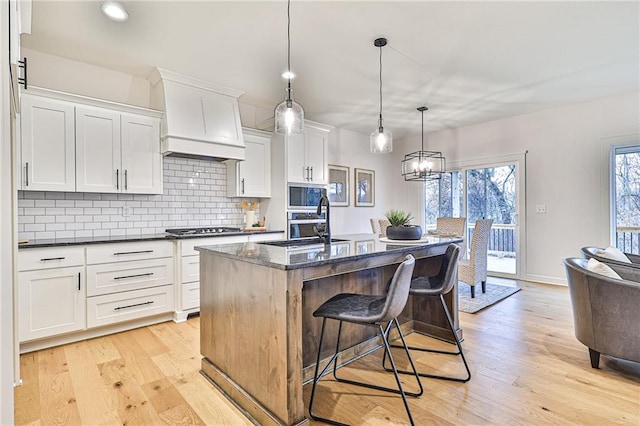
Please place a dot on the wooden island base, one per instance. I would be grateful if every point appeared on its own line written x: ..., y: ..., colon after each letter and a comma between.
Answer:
x: 259, y: 338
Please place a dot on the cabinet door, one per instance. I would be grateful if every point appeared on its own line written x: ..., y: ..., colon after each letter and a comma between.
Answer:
x: 98, y: 150
x: 296, y: 166
x: 141, y: 157
x: 316, y: 145
x: 50, y: 302
x: 255, y: 170
x: 47, y: 144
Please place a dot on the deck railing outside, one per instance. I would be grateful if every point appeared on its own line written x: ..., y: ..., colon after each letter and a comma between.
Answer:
x: 628, y: 239
x: 502, y: 239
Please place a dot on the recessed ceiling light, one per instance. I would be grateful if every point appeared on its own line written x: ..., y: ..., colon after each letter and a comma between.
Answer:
x: 114, y: 10
x: 288, y: 75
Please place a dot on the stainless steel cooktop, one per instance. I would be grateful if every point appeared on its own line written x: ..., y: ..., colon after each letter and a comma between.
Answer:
x: 192, y: 232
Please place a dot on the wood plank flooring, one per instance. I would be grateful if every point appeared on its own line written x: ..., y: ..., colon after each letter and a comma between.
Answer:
x: 527, y: 369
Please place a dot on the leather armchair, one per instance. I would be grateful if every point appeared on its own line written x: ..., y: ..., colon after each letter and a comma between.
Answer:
x: 590, y: 252
x: 605, y: 310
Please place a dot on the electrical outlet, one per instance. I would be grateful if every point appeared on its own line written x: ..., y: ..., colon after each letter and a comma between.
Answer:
x: 541, y: 208
x: 126, y: 211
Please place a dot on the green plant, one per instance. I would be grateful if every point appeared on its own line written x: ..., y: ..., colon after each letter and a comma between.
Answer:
x: 398, y: 217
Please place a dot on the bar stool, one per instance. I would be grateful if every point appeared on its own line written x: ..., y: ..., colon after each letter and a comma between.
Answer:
x: 438, y: 286
x: 371, y: 311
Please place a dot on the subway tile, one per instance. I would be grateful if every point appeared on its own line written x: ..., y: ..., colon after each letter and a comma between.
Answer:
x: 26, y: 219
x: 34, y: 227
x: 65, y: 219
x: 45, y: 203
x: 55, y: 227
x: 85, y: 203
x: 65, y: 234
x: 45, y: 235
x: 45, y: 219
x: 74, y: 211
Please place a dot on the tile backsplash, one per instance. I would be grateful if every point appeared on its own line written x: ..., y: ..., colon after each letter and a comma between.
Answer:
x: 194, y: 195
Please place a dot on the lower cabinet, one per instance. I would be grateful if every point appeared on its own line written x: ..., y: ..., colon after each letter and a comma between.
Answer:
x: 189, y: 267
x: 51, y: 301
x: 126, y: 281
x: 51, y: 292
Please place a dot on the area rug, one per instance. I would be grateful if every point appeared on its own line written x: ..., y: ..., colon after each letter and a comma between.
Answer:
x: 494, y: 294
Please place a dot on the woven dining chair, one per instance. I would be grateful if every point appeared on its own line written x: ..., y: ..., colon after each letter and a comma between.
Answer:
x: 457, y: 226
x: 474, y: 270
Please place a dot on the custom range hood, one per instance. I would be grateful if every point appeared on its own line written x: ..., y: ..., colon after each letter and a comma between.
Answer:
x: 201, y: 119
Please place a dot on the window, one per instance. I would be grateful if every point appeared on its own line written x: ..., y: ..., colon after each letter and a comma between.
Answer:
x: 626, y: 199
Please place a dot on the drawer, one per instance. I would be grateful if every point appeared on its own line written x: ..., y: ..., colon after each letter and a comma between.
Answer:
x: 50, y: 257
x: 190, y: 269
x: 114, y: 308
x: 266, y: 237
x: 187, y: 245
x: 124, y: 252
x: 123, y: 276
x: 190, y: 295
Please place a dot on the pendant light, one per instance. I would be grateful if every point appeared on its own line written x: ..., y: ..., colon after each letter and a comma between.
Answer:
x: 380, y: 141
x: 423, y: 165
x: 289, y: 115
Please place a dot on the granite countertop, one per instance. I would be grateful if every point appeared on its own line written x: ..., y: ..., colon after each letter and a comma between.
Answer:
x: 353, y: 246
x: 127, y: 239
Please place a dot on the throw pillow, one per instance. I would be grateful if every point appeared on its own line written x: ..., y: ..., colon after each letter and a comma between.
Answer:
x: 613, y: 253
x: 602, y: 269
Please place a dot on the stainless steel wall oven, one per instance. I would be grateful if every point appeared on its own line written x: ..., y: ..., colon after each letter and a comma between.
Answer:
x: 301, y: 224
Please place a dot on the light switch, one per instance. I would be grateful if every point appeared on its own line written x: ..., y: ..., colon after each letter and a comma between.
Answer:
x: 541, y: 208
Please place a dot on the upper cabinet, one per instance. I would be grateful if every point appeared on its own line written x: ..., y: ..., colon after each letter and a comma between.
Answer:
x: 117, y: 152
x: 251, y: 177
x: 201, y: 118
x: 307, y: 155
x: 48, y: 144
x: 86, y: 147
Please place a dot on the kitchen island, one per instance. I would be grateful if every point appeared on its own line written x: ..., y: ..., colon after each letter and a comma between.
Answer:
x: 258, y: 336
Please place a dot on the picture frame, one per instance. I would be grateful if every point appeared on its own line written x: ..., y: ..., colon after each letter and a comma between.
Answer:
x: 364, y: 187
x: 338, y: 188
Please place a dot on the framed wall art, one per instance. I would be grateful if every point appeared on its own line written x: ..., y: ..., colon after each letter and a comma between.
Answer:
x: 338, y: 189
x: 364, y: 188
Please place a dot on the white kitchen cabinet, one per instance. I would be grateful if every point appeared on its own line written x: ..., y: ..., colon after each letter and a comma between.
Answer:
x: 251, y: 177
x: 127, y: 281
x: 47, y: 144
x: 307, y: 156
x: 188, y: 263
x: 117, y: 152
x: 51, y: 294
x: 73, y: 143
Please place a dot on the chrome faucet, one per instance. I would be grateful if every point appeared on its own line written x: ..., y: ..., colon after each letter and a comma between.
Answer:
x: 325, y: 233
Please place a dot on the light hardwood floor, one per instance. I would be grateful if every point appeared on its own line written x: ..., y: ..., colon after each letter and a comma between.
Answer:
x: 527, y: 368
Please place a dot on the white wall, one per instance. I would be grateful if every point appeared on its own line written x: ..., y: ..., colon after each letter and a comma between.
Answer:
x: 347, y: 148
x: 566, y: 168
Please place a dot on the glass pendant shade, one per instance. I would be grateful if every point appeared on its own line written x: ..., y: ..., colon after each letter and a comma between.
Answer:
x: 289, y: 115
x: 381, y: 141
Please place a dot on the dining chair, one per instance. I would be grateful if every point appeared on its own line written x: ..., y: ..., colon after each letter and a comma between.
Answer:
x: 474, y: 270
x: 454, y: 225
x: 372, y: 311
x: 384, y: 224
x: 375, y: 225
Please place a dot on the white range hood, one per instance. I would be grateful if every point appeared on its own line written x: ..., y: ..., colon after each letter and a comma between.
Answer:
x: 201, y: 119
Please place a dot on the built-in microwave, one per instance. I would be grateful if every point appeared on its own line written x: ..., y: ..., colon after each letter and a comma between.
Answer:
x: 304, y: 197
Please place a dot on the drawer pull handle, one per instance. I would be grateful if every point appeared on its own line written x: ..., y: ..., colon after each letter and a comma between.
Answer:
x: 51, y: 258
x: 78, y: 281
x: 134, y: 276
x: 133, y: 252
x: 133, y: 306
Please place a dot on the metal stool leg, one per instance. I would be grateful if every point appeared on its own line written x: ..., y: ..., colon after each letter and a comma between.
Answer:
x: 316, y: 377
x: 385, y: 338
x: 458, y: 344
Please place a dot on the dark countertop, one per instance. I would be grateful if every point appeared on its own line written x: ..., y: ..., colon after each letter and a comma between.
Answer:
x: 355, y: 246
x: 54, y: 242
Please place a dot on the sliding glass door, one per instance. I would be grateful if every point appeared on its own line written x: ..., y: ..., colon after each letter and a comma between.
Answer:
x: 626, y: 199
x: 481, y: 191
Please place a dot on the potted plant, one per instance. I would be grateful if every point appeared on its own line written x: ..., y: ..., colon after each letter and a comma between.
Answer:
x: 400, y: 228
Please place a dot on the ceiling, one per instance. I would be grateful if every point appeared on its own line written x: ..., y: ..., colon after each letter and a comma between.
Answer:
x: 469, y: 62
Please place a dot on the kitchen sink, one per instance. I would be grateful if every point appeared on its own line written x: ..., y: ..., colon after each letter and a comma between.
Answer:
x: 299, y: 243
